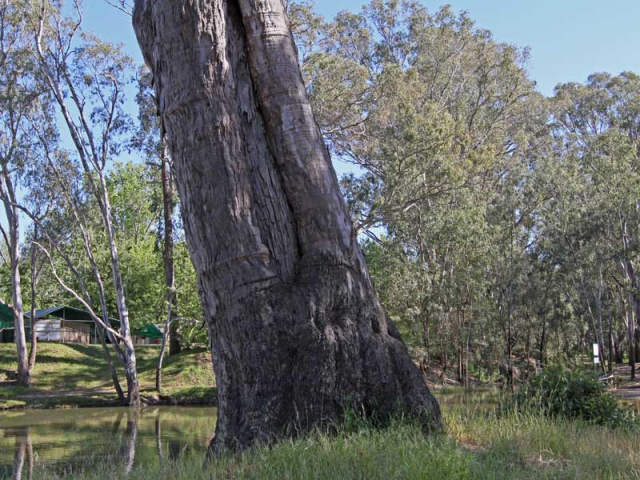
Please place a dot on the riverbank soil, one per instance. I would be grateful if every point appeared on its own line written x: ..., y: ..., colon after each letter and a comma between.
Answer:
x: 77, y: 375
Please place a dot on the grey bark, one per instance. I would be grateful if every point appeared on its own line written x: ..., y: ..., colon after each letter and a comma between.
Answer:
x: 36, y: 271
x: 158, y: 431
x: 19, y: 458
x: 130, y: 442
x: 634, y: 304
x: 24, y: 375
x: 34, y: 333
x: 298, y: 334
x: 23, y: 448
x: 129, y: 357
x: 165, y: 335
x: 8, y: 195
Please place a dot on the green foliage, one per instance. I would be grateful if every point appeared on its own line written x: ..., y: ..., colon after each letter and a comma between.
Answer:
x: 446, y: 127
x: 574, y: 394
x: 497, y: 223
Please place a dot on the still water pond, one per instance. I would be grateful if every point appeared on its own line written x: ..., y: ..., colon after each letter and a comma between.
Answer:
x: 70, y: 440
x: 64, y: 440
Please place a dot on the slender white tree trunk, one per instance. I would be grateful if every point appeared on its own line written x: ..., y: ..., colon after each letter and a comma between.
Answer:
x: 163, y: 347
x: 18, y: 311
x: 130, y: 364
x: 93, y: 162
x: 7, y: 193
x: 34, y: 284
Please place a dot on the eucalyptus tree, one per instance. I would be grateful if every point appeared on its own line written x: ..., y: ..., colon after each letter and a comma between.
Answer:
x: 484, y: 189
x: 87, y: 81
x: 297, y: 331
x: 445, y: 126
x: 22, y: 102
x: 424, y: 103
x: 598, y: 125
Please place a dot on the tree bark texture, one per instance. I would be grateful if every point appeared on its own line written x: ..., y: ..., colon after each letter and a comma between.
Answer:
x: 298, y: 334
x: 18, y: 458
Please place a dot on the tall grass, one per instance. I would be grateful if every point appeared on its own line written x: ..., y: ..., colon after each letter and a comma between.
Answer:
x: 480, y: 444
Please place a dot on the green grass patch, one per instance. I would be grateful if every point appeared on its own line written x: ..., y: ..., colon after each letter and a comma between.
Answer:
x: 533, y: 445
x: 193, y: 395
x: 77, y: 375
x: 481, y: 440
x: 10, y: 404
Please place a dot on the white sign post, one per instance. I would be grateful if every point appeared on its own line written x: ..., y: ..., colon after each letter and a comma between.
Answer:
x: 596, y: 354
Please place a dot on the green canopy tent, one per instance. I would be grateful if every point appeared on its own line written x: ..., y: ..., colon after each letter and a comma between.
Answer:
x: 149, y: 331
x: 6, y: 316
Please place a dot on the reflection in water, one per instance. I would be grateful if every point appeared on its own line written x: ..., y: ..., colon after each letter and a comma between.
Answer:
x: 175, y: 450
x: 70, y: 440
x: 23, y: 449
x: 117, y: 421
x: 130, y: 438
x: 159, y: 436
x: 35, y: 441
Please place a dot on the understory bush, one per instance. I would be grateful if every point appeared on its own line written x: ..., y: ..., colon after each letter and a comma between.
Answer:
x: 573, y: 395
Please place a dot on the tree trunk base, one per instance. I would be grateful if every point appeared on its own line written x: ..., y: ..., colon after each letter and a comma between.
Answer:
x: 325, y: 347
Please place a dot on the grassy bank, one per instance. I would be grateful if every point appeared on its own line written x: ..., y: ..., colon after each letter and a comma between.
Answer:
x: 479, y: 444
x: 76, y: 375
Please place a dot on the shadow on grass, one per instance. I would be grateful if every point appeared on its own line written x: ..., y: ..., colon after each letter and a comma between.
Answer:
x: 66, y: 371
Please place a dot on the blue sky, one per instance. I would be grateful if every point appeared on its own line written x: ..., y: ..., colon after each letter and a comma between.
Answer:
x: 569, y: 39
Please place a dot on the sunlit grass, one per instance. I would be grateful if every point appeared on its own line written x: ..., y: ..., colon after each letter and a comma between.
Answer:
x: 77, y: 375
x: 479, y: 443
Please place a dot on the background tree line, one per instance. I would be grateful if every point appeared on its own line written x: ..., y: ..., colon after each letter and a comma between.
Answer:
x: 98, y: 230
x: 499, y: 225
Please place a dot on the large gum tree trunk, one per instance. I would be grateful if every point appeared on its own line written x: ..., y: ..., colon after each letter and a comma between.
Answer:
x: 298, y: 334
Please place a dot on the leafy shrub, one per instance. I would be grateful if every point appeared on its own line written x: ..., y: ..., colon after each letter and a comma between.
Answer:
x: 572, y: 395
